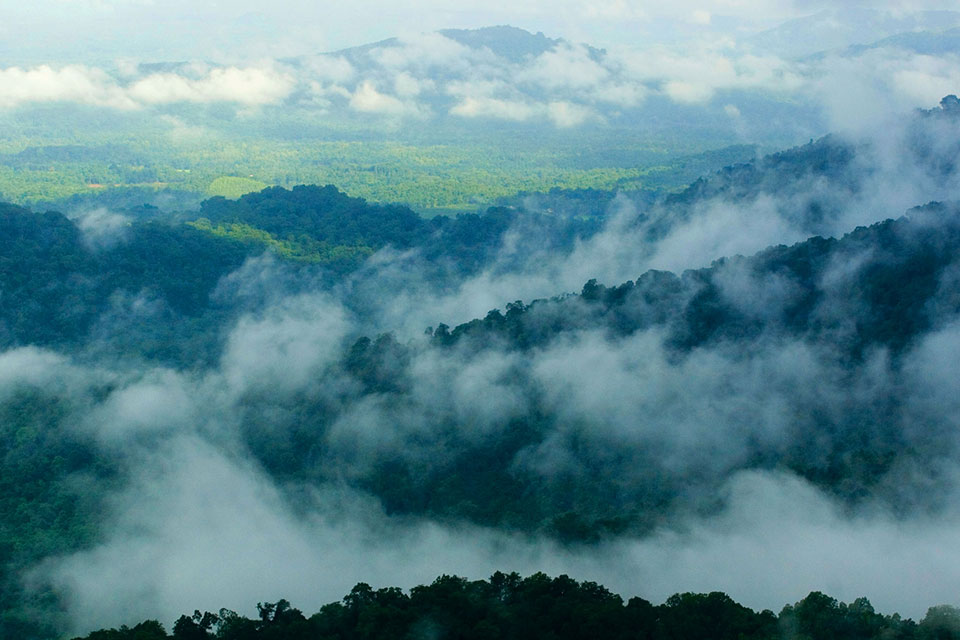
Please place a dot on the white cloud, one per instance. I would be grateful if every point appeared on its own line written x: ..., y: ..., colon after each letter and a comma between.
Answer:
x: 33, y: 367
x: 250, y: 86
x: 408, y: 86
x: 87, y: 85
x: 425, y: 51
x: 477, y: 87
x: 694, y: 76
x: 621, y: 94
x: 330, y: 68
x: 689, y: 92
x: 74, y: 83
x: 926, y: 79
x: 410, y: 76
x: 285, y: 348
x: 367, y: 99
x: 102, y: 228
x: 565, y: 67
x: 567, y: 114
x: 699, y: 16
x: 161, y: 401
x: 495, y: 108
x: 858, y: 93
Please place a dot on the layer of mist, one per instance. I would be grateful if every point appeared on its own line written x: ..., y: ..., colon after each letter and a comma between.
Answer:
x: 811, y: 451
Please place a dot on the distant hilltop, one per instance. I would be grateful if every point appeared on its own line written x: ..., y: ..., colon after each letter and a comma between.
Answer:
x: 507, y: 42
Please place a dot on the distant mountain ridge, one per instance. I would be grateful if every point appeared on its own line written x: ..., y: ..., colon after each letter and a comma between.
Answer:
x: 504, y: 41
x: 928, y: 43
x: 846, y: 26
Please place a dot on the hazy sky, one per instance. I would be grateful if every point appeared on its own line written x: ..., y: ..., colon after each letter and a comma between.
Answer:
x: 98, y: 30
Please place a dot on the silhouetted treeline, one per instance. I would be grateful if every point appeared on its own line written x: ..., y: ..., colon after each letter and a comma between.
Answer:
x: 508, y: 607
x: 889, y: 296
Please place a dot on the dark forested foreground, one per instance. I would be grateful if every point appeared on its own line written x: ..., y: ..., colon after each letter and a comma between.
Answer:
x: 509, y: 607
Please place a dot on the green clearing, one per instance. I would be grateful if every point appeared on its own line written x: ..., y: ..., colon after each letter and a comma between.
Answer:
x: 233, y: 187
x: 301, y: 249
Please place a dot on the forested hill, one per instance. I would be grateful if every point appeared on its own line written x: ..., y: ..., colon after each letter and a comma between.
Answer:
x: 843, y: 307
x: 67, y: 282
x: 818, y: 187
x: 508, y: 607
x: 319, y: 222
x: 876, y: 287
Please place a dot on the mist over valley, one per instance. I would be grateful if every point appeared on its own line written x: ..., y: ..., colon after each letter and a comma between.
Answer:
x: 674, y: 322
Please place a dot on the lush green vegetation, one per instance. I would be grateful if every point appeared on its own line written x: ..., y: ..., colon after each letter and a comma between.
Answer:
x: 60, y: 290
x: 67, y: 294
x: 233, y: 187
x: 509, y: 607
x: 51, y: 491
x: 429, y: 177
x: 304, y: 249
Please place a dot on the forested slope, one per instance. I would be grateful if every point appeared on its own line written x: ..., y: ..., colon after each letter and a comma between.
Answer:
x: 68, y: 283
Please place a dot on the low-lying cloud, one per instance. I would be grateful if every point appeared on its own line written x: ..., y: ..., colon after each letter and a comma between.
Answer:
x: 567, y: 85
x: 92, y: 86
x: 201, y: 523
x: 203, y: 531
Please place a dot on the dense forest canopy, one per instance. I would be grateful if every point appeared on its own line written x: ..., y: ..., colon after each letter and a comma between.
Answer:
x: 295, y: 375
x: 508, y: 606
x: 64, y: 281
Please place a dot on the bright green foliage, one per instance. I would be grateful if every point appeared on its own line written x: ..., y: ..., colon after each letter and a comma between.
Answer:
x: 59, y: 291
x: 50, y: 489
x: 234, y: 187
x: 303, y: 249
x: 432, y: 178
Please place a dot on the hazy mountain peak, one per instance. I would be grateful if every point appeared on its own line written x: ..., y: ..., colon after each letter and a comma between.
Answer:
x: 927, y: 42
x: 508, y: 42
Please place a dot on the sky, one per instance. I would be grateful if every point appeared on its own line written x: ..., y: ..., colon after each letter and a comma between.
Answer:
x: 100, y: 30
x: 706, y: 53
